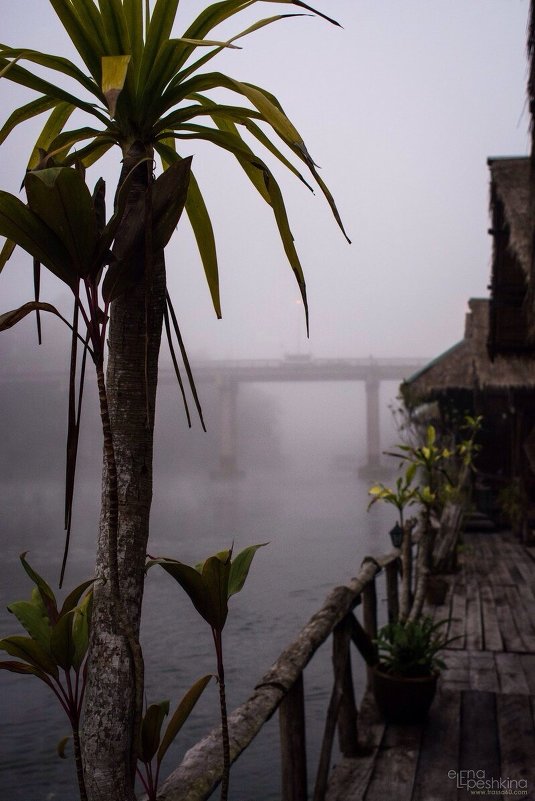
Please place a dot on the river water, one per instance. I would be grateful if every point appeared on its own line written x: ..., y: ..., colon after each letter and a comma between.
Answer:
x: 313, y: 514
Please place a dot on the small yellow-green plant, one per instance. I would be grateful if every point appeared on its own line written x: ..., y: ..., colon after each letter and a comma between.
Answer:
x: 402, y: 496
x: 433, y: 475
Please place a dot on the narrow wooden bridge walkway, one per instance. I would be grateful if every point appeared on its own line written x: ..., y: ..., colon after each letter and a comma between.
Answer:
x: 481, y: 727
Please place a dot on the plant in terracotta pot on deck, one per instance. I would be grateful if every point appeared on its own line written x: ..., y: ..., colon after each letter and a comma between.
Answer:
x: 405, y: 677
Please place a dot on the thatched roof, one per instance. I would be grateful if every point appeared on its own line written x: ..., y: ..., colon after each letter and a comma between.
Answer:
x: 467, y: 366
x: 531, y: 76
x: 510, y: 186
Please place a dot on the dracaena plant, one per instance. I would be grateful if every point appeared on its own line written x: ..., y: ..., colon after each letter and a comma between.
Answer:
x: 63, y: 227
x: 152, y: 745
x: 434, y: 474
x: 431, y: 461
x: 209, y: 586
x: 402, y: 496
x: 143, y: 89
x: 55, y: 649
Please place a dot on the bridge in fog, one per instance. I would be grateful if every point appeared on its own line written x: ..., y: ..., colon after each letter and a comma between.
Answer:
x: 229, y: 374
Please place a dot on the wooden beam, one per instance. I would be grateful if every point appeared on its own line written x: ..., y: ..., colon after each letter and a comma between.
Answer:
x: 342, y: 708
x: 439, y: 752
x: 392, y: 596
x: 479, y: 749
x: 347, y: 713
x: 362, y: 641
x: 369, y: 617
x: 517, y: 740
x: 293, y: 744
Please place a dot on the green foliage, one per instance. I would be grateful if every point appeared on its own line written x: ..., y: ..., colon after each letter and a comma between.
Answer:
x: 211, y: 583
x: 209, y: 586
x: 140, y: 85
x: 55, y: 649
x: 144, y: 92
x: 147, y: 93
x: 436, y: 467
x: 468, y: 448
x: 63, y: 227
x: 151, y: 742
x: 57, y: 639
x: 402, y: 496
x: 60, y: 227
x: 428, y: 460
x: 411, y: 649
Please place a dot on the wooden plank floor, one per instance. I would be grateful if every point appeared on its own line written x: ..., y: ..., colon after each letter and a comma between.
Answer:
x: 482, y: 723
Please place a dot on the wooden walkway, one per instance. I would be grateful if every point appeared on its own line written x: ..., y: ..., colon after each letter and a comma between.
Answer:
x: 481, y: 727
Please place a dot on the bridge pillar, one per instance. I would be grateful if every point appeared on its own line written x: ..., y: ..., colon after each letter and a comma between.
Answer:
x: 228, y: 392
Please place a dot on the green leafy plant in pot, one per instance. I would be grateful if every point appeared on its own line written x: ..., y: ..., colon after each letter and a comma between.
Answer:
x: 405, y: 678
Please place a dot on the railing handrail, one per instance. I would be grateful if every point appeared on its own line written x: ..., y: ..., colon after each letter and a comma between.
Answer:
x: 201, y: 769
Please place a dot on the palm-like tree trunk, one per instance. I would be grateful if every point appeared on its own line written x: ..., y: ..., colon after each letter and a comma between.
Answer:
x: 114, y: 690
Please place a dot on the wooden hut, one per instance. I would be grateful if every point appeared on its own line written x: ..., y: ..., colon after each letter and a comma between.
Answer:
x: 510, y: 301
x: 465, y: 379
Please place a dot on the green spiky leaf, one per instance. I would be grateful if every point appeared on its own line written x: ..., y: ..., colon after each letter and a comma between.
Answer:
x: 32, y: 616
x: 181, y: 714
x: 29, y: 651
x: 61, y: 199
x: 151, y: 727
x: 240, y: 566
x: 61, y: 641
x: 48, y: 597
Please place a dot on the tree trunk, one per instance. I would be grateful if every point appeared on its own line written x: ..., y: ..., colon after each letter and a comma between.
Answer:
x: 406, y: 563
x: 422, y: 571
x: 115, y: 668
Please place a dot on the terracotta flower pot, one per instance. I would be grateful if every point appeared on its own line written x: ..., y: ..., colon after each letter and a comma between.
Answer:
x: 403, y: 699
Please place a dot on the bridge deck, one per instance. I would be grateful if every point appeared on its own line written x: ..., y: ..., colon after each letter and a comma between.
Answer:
x: 483, y: 718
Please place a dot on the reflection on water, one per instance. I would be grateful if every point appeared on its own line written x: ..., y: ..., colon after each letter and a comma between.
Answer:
x: 318, y: 532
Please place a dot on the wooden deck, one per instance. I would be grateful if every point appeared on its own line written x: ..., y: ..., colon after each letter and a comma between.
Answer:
x: 481, y: 727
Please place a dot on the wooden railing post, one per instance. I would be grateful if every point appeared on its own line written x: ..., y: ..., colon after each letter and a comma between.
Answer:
x: 392, y: 597
x: 369, y: 615
x: 293, y: 743
x: 341, y: 710
x: 282, y: 687
x: 347, y: 712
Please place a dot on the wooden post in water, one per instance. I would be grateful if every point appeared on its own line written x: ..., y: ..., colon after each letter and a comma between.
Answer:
x: 293, y: 744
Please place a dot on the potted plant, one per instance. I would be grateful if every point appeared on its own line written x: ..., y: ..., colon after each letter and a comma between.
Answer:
x: 435, y: 479
x: 405, y: 677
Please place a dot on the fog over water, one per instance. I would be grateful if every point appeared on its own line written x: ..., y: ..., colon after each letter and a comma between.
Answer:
x: 298, y: 491
x: 401, y: 108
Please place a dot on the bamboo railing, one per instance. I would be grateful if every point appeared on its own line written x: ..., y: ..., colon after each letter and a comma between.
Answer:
x: 282, y: 688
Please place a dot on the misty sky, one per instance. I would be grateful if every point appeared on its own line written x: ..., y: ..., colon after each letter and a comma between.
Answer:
x: 401, y: 109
